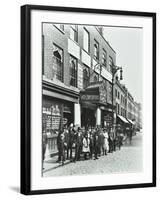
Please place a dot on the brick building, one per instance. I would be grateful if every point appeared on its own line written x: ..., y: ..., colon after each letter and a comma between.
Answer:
x: 77, y: 79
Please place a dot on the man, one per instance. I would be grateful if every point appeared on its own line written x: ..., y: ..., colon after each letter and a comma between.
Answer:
x: 96, y: 144
x: 70, y: 142
x: 78, y: 144
x: 111, y: 141
x: 61, y: 150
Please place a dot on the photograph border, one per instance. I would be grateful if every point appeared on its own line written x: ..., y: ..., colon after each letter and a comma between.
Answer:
x: 25, y: 185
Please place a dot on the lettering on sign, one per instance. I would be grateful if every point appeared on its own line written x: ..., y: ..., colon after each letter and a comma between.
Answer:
x: 87, y: 97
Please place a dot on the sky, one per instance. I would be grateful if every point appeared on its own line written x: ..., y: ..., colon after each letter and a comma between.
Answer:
x: 127, y: 43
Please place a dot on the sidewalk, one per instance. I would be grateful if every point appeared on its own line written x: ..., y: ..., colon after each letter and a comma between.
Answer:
x: 127, y: 159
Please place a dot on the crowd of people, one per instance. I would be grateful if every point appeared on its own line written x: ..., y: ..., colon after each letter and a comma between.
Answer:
x: 88, y: 143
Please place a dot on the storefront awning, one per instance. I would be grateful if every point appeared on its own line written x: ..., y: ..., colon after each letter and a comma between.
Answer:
x: 123, y: 119
x: 130, y: 121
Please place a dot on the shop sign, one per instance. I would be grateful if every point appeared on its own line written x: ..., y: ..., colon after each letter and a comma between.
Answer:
x: 88, y: 97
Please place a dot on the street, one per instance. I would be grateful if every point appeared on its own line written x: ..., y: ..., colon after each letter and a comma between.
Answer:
x: 128, y: 159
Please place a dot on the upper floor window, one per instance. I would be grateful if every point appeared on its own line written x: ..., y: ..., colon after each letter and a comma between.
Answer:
x: 104, y: 56
x: 86, y: 40
x: 100, y: 29
x: 60, y: 26
x: 74, y: 32
x: 96, y: 50
x: 57, y: 63
x: 118, y: 110
x: 85, y: 77
x: 110, y: 63
x: 121, y: 99
x: 118, y: 95
x: 73, y: 71
x: 116, y: 92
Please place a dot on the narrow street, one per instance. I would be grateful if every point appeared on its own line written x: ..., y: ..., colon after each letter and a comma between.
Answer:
x: 128, y: 159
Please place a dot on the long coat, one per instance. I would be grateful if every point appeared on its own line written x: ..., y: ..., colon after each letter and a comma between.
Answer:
x: 106, y: 143
x: 86, y: 143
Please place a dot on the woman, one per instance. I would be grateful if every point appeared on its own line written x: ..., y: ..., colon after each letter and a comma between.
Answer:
x: 106, y: 143
x: 85, y: 145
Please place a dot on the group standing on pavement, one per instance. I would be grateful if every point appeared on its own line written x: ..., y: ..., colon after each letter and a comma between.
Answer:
x: 88, y: 143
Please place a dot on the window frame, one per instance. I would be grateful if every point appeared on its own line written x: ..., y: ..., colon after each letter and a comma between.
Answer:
x: 74, y: 75
x: 97, y: 50
x: 75, y: 31
x: 86, y: 31
x: 62, y: 62
x: 85, y: 67
x: 105, y: 56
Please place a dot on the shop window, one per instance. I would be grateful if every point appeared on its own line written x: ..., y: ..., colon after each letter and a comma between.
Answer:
x: 86, y: 40
x: 96, y: 50
x: 73, y: 71
x: 74, y: 32
x: 85, y: 77
x: 57, y: 63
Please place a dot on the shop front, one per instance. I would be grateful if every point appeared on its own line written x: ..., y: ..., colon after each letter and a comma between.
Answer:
x: 106, y: 119
x: 58, y: 111
x: 122, y: 123
x: 95, y: 110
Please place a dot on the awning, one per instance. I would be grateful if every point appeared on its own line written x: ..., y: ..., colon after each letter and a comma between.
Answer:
x: 123, y: 119
x: 130, y: 121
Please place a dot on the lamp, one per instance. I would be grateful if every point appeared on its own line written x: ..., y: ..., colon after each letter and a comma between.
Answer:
x: 121, y: 71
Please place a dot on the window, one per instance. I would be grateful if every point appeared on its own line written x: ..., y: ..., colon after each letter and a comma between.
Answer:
x: 110, y: 63
x: 116, y: 92
x: 118, y: 109
x: 118, y: 95
x: 74, y: 32
x: 73, y: 71
x: 60, y: 26
x: 85, y: 77
x: 122, y: 111
x: 104, y: 56
x: 57, y: 63
x: 85, y: 40
x: 96, y: 50
x: 121, y: 99
x: 100, y: 30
